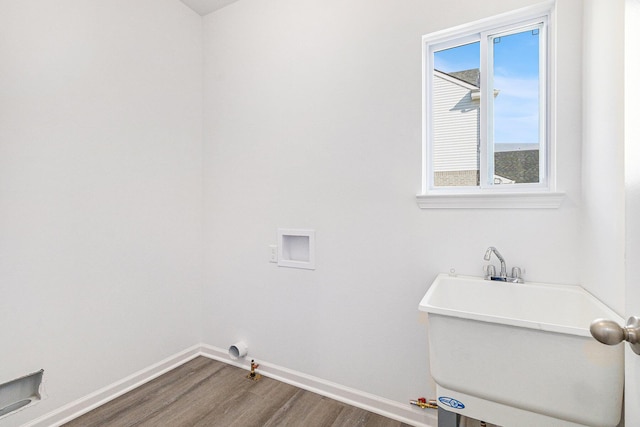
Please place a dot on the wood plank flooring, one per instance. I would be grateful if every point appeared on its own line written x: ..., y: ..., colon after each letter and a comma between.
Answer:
x: 209, y: 393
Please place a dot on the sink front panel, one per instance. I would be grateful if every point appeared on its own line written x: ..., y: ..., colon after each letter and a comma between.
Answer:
x: 569, y: 377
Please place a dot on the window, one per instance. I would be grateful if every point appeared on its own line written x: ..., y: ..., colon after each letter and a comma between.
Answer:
x: 486, y: 111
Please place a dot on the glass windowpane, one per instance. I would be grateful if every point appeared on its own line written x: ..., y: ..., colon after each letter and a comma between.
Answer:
x: 456, y: 116
x: 516, y: 107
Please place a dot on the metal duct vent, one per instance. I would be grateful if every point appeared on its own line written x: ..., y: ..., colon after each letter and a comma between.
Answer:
x: 20, y: 392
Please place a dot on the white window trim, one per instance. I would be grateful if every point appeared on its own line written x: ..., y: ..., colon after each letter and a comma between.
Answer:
x: 539, y: 195
x: 531, y: 200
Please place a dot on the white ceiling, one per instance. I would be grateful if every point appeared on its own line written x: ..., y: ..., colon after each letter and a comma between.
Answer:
x: 204, y: 7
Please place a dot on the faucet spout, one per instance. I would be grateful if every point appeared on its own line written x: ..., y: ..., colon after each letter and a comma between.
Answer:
x: 503, y: 264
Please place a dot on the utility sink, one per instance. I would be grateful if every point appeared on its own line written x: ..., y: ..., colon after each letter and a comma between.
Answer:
x: 522, y: 354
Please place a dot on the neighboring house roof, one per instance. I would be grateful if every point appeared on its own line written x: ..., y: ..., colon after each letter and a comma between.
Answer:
x: 457, y: 80
x: 471, y: 76
x: 521, y: 166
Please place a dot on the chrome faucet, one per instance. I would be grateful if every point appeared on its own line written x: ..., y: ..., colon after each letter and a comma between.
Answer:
x: 503, y: 265
x: 491, y: 272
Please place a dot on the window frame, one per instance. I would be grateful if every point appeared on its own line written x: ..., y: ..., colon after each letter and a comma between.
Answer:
x: 542, y: 194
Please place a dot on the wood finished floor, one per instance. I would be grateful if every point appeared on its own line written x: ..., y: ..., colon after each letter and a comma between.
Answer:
x: 206, y: 392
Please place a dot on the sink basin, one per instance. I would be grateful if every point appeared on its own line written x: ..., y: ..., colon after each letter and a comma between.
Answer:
x: 522, y: 354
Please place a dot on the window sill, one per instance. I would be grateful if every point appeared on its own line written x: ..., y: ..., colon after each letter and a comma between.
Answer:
x: 546, y: 200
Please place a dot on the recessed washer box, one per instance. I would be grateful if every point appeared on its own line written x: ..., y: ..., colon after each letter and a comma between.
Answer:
x: 296, y: 248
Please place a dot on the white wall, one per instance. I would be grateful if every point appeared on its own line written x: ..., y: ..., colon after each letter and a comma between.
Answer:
x: 100, y: 190
x: 312, y: 120
x: 603, y: 239
x: 632, y: 199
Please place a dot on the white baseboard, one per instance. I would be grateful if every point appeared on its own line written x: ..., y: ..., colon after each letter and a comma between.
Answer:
x: 85, y: 404
x: 391, y: 409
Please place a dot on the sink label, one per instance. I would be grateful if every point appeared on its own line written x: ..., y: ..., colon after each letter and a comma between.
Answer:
x: 451, y: 402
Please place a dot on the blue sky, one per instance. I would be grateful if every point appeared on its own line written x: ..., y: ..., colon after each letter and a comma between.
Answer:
x: 516, y: 76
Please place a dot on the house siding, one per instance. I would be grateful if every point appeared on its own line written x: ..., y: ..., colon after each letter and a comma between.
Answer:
x: 455, y: 127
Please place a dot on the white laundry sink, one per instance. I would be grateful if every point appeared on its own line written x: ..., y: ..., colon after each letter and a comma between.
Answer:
x: 522, y: 354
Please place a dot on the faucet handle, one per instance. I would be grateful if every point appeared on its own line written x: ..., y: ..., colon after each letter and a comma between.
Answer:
x: 490, y: 270
x: 516, y: 275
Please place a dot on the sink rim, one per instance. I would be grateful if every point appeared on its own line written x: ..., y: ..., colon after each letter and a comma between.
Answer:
x: 596, y: 307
